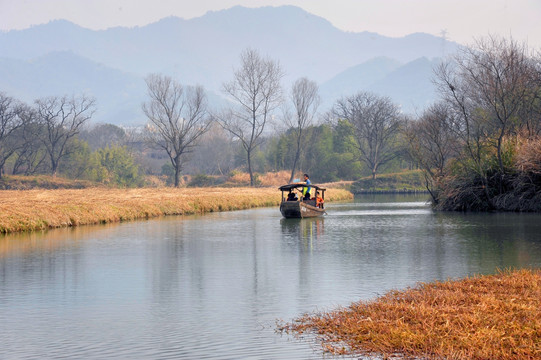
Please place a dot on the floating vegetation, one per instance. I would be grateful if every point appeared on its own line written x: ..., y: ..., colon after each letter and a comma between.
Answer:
x: 482, y: 317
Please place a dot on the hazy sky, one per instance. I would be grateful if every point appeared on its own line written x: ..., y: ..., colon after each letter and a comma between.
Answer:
x: 462, y: 20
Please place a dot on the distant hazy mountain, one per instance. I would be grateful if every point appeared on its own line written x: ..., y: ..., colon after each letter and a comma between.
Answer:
x: 356, y: 78
x: 63, y: 57
x: 119, y: 95
x: 409, y: 85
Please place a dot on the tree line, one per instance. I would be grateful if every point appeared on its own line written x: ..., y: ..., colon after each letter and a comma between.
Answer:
x: 474, y: 145
x: 48, y: 138
x: 183, y: 135
x: 361, y: 131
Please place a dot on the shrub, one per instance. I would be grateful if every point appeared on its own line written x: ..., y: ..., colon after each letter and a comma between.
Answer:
x: 117, y: 167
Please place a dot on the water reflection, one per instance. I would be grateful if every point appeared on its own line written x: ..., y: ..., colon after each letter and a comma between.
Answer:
x: 38, y: 241
x: 303, y: 231
x: 212, y: 286
x: 490, y: 241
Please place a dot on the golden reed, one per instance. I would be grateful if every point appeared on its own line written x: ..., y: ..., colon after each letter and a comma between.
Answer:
x: 28, y: 210
x: 483, y: 317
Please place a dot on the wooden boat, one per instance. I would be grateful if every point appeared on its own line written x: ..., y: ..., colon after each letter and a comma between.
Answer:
x: 300, y: 208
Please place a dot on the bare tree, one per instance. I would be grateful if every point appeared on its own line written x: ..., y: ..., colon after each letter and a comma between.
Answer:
x: 10, y: 121
x: 433, y: 142
x: 493, y: 87
x: 256, y: 93
x: 178, y: 117
x: 455, y: 91
x: 62, y: 118
x: 30, y: 155
x: 376, y: 121
x: 305, y: 99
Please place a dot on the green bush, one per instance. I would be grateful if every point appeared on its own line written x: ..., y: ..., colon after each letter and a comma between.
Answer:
x: 116, y: 166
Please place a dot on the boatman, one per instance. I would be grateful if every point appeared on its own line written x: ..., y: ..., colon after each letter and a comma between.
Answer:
x: 306, y: 189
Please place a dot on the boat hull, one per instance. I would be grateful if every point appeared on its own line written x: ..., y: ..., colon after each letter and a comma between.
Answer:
x: 299, y: 209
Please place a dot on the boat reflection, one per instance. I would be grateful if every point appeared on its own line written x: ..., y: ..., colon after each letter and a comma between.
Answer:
x: 306, y: 231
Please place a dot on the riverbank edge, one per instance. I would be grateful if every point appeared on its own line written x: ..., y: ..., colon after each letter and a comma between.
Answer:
x: 34, y: 210
x: 390, y: 192
x: 480, y: 317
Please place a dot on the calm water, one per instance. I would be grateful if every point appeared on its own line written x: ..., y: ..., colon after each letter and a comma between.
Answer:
x: 212, y: 287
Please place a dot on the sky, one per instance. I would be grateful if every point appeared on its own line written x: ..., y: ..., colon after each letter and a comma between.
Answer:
x: 458, y: 20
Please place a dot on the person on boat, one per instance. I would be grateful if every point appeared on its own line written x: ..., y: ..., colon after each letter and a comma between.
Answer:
x: 319, y: 200
x: 291, y: 196
x: 306, y: 189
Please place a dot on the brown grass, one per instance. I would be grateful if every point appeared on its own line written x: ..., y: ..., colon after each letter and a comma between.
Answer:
x: 42, y: 209
x: 276, y: 178
x: 528, y: 157
x: 484, y: 317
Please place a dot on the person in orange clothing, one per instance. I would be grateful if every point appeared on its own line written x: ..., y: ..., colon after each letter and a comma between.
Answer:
x: 319, y: 200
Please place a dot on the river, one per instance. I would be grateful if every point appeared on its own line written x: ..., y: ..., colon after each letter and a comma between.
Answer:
x: 213, y: 286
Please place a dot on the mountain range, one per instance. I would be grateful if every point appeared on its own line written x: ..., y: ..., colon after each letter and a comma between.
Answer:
x: 61, y: 58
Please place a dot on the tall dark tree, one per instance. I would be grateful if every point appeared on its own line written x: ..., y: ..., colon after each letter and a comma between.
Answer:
x: 177, y: 118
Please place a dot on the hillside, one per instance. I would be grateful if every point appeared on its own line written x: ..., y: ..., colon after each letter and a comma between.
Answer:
x: 61, y: 57
x: 118, y: 94
x: 409, y: 85
x: 357, y: 77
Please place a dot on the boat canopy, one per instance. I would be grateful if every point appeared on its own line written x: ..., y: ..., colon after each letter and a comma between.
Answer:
x: 299, y: 185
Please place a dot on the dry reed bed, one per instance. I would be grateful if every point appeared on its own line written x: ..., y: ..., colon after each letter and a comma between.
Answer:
x: 42, y: 209
x: 484, y: 317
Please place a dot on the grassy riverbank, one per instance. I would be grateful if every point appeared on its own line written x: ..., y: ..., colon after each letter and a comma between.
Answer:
x: 485, y: 317
x: 28, y: 210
